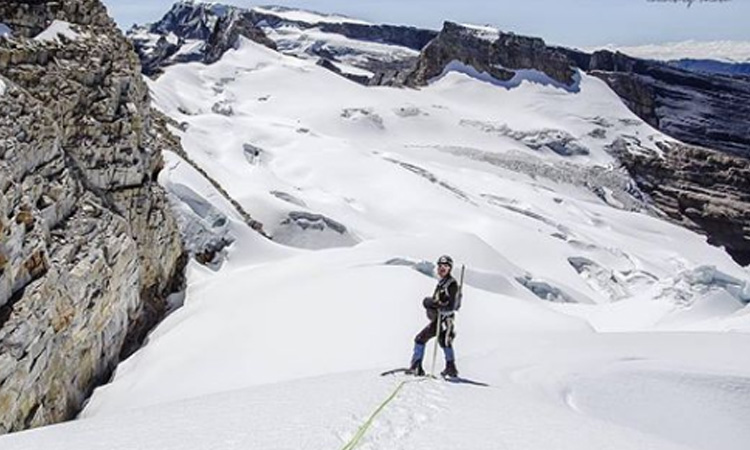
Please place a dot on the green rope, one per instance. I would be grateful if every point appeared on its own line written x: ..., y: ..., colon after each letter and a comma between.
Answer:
x: 365, y: 426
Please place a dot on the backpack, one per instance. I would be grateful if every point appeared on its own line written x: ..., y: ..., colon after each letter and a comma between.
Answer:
x: 460, y: 293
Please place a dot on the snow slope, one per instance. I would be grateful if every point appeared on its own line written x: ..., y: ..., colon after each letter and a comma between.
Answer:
x: 568, y: 391
x: 279, y: 344
x: 55, y: 29
x: 301, y: 15
x: 352, y: 55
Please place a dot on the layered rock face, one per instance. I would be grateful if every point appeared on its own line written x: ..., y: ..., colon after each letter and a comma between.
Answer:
x: 702, y: 189
x: 228, y: 30
x: 709, y: 66
x: 88, y: 247
x: 190, y: 30
x: 211, y: 30
x: 491, y: 52
x: 384, y: 52
x: 709, y: 110
x: 402, y: 36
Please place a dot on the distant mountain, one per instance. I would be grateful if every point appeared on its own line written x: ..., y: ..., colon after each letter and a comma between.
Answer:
x: 364, y: 52
x: 731, y: 52
x: 708, y: 110
x: 192, y: 32
x: 711, y: 66
x: 712, y: 57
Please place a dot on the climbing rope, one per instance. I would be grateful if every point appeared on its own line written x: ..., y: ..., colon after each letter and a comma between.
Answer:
x: 365, y: 426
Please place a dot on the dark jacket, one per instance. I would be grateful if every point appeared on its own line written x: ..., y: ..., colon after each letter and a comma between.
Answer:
x: 443, y: 299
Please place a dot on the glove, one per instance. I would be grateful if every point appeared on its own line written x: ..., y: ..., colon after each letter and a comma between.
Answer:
x: 430, y: 308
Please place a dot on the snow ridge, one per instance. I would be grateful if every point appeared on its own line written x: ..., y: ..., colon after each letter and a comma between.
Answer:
x: 301, y: 15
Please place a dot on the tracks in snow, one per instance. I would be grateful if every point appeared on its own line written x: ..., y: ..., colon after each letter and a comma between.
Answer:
x: 417, y: 404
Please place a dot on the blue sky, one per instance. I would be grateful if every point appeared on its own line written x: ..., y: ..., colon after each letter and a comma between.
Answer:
x: 566, y: 22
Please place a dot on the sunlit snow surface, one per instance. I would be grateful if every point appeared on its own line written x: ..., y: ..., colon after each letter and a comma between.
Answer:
x: 362, y: 188
x: 306, y: 16
x: 57, y: 28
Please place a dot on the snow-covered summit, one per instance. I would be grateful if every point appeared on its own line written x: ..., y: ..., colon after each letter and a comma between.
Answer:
x: 190, y: 19
x: 302, y: 15
x: 354, y: 48
x: 482, y: 31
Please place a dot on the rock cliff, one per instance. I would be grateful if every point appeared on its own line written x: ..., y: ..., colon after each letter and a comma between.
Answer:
x: 489, y: 51
x: 192, y: 32
x: 189, y: 30
x: 702, y: 189
x: 89, y: 249
x: 708, y: 110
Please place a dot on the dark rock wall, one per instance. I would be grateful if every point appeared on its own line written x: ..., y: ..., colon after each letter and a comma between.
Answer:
x: 89, y: 249
x: 708, y: 110
x: 498, y: 57
x: 701, y: 189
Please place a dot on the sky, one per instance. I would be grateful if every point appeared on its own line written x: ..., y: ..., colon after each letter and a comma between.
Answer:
x: 565, y: 22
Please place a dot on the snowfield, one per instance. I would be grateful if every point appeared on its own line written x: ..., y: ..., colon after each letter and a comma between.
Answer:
x: 595, y: 323
x: 305, y: 16
x: 552, y: 390
x: 57, y: 28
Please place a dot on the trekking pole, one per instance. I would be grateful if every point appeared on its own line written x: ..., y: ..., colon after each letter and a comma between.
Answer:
x: 437, y: 342
x: 461, y: 288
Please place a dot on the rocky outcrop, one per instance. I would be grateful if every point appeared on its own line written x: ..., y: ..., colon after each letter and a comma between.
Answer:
x: 210, y: 30
x: 394, y: 54
x: 227, y: 32
x: 402, y: 36
x: 701, y: 189
x: 708, y: 110
x: 29, y: 18
x: 489, y: 51
x: 89, y: 249
x: 190, y: 31
x: 191, y: 20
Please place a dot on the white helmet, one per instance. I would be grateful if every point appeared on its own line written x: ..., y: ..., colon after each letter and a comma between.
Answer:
x: 445, y: 259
